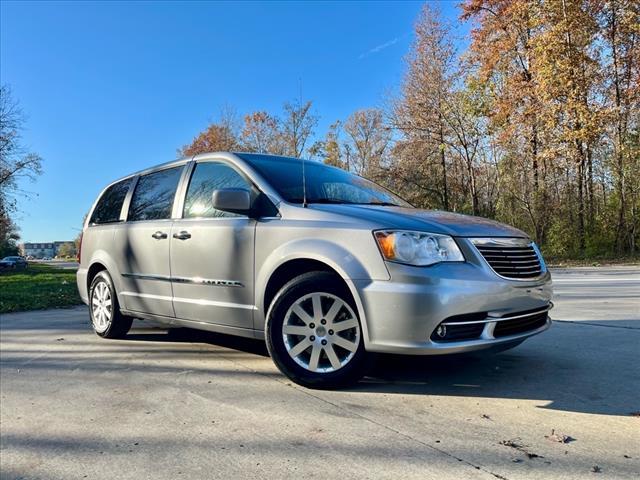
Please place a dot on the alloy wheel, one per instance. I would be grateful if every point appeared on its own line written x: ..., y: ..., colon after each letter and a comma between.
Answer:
x: 321, y: 332
x: 101, y: 307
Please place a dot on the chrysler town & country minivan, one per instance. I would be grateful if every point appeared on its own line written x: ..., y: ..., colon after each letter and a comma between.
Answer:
x: 324, y: 265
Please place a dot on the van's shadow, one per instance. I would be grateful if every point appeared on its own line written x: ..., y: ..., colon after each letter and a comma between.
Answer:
x: 188, y: 335
x: 554, y: 371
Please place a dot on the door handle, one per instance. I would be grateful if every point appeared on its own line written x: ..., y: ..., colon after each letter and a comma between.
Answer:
x: 159, y: 235
x: 183, y: 235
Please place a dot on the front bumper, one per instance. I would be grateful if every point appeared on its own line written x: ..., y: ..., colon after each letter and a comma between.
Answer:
x: 401, y: 315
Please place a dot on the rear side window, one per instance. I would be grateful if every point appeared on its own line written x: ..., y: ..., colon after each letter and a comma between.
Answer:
x: 153, y: 196
x: 207, y: 177
x: 108, y: 207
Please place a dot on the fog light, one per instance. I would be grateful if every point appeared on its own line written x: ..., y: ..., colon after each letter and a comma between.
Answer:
x: 441, y: 331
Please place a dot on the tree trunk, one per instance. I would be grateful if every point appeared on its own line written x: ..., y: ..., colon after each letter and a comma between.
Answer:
x: 591, y: 207
x: 581, y: 209
x: 445, y: 188
x: 534, y: 154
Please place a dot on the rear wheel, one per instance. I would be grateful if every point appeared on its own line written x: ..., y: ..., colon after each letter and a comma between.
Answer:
x: 106, y: 319
x: 314, y: 334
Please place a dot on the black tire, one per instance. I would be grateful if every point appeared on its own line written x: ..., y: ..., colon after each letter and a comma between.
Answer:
x: 296, y: 289
x: 118, y: 324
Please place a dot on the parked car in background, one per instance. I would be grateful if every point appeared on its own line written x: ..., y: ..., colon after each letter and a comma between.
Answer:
x: 13, y: 263
x: 324, y: 265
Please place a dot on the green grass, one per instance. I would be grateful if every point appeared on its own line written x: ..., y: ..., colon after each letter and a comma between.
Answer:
x: 38, y: 287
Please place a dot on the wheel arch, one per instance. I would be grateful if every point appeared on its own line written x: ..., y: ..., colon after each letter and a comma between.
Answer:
x: 270, y: 280
x: 102, y: 262
x: 289, y: 270
x: 93, y: 270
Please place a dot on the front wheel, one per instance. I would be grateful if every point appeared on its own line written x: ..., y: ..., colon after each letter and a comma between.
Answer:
x: 106, y: 319
x: 314, y: 334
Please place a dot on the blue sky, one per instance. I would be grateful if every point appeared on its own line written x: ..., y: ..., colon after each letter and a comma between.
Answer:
x: 110, y: 88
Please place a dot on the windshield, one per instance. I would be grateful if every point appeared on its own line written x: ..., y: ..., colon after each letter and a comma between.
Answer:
x: 324, y: 184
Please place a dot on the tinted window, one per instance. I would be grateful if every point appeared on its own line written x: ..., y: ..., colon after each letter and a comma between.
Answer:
x: 108, y: 208
x: 324, y: 184
x: 153, y: 196
x: 206, y: 178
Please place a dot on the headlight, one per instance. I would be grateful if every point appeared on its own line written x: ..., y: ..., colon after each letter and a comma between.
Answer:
x: 417, y: 248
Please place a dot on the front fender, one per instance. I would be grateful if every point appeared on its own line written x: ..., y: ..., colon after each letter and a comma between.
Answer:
x: 337, y: 257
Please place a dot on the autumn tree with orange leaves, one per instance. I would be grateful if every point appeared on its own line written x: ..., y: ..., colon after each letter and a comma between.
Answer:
x: 261, y: 133
x: 535, y: 122
x: 219, y: 136
x: 545, y: 68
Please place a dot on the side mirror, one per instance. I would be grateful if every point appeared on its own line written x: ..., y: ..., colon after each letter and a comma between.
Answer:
x: 234, y: 200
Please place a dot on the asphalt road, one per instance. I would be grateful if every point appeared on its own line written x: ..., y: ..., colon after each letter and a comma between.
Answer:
x: 208, y: 406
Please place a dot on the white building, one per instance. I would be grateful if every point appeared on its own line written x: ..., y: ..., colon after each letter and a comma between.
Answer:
x: 42, y: 250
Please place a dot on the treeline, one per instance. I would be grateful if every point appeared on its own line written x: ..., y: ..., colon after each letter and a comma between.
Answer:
x: 17, y: 163
x: 536, y: 123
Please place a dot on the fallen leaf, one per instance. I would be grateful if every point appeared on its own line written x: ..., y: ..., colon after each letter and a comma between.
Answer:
x: 514, y: 443
x: 518, y: 445
x: 559, y: 437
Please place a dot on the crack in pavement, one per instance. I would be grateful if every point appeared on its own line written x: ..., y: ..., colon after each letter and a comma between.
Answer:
x: 367, y: 419
x: 591, y: 324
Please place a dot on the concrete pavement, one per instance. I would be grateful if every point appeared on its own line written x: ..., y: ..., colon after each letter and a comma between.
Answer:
x: 198, y: 405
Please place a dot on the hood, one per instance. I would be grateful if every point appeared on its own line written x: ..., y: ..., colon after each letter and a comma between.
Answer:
x: 434, y: 221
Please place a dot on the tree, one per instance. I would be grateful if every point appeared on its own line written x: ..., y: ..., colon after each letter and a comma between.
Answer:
x: 220, y: 136
x: 9, y: 235
x: 560, y: 88
x: 504, y: 60
x: 16, y: 161
x: 568, y: 76
x: 333, y: 150
x: 536, y: 123
x: 619, y: 22
x: 297, y: 127
x: 67, y: 249
x: 369, y: 139
x: 261, y: 133
x: 419, y: 114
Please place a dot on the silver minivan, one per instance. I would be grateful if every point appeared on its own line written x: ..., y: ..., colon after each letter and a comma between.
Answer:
x: 324, y: 265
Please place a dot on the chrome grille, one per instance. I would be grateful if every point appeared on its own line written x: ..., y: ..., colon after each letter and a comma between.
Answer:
x: 512, y: 258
